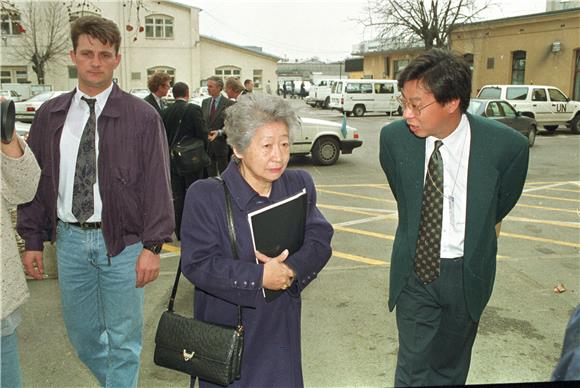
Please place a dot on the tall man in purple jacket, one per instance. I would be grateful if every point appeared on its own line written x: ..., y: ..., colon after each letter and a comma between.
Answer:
x: 104, y: 197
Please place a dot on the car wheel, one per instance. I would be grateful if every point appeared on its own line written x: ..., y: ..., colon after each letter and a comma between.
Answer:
x: 326, y: 103
x: 359, y: 110
x: 551, y: 128
x: 325, y: 151
x: 575, y: 127
x: 532, y: 135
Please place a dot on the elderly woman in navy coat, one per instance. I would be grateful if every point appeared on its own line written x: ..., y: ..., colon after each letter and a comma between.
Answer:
x: 260, y: 128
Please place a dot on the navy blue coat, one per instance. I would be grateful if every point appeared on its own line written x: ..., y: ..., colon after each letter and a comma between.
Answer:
x: 272, y: 354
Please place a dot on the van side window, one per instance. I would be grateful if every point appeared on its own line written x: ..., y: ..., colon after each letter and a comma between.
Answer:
x: 384, y: 88
x: 353, y: 88
x: 556, y: 95
x: 366, y: 88
x: 490, y: 93
x: 516, y: 93
x: 539, y: 95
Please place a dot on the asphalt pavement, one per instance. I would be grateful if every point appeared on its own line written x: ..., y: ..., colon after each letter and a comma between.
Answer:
x: 349, y: 338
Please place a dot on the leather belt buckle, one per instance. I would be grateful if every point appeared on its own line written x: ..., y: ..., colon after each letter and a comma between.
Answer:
x: 87, y: 225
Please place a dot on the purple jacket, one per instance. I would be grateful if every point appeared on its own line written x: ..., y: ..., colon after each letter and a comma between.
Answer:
x: 133, y: 168
x: 272, y: 353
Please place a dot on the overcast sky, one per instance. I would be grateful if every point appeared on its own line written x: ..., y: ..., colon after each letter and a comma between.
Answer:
x: 300, y: 29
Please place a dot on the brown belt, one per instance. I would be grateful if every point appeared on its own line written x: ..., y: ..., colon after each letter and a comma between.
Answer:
x: 86, y: 225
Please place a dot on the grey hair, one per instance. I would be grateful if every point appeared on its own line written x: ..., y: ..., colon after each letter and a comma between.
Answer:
x: 217, y: 80
x: 252, y: 111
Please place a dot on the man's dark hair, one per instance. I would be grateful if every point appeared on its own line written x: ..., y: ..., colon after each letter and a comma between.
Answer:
x: 246, y: 82
x: 180, y: 89
x: 157, y: 79
x: 105, y: 30
x: 445, y: 74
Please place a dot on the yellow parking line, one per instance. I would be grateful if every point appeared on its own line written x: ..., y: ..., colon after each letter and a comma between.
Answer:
x: 364, y: 232
x: 356, y: 196
x: 360, y: 259
x: 545, y: 222
x: 550, y: 198
x: 379, y: 185
x: 540, y: 239
x: 556, y: 209
x: 546, y: 182
x: 356, y: 211
x: 566, y: 190
x: 171, y: 248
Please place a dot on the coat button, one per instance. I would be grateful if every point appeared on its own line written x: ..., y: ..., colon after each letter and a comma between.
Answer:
x: 235, y: 282
x: 252, y: 284
x: 245, y: 284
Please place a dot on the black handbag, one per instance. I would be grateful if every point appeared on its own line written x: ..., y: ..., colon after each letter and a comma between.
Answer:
x: 189, y: 154
x: 209, y: 351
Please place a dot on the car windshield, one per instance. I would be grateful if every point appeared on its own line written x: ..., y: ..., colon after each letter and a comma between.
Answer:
x: 40, y: 97
x: 475, y: 107
x: 490, y: 93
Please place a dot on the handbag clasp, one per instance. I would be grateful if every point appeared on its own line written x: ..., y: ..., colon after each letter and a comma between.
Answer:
x: 187, y: 356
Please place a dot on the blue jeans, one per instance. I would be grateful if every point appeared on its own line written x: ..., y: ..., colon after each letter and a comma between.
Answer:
x: 10, y: 372
x: 101, y: 307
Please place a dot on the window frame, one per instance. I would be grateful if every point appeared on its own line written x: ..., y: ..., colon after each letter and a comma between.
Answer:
x: 156, y: 30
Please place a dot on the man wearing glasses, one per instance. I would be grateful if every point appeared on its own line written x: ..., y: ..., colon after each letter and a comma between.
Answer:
x: 455, y: 177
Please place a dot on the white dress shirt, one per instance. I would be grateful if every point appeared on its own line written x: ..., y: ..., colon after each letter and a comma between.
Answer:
x: 455, y: 155
x: 76, y: 119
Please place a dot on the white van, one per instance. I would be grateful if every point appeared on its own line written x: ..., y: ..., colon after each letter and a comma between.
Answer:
x: 319, y: 94
x: 357, y: 96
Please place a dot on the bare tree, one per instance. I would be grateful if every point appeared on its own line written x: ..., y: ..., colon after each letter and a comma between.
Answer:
x: 412, y: 23
x: 46, y: 36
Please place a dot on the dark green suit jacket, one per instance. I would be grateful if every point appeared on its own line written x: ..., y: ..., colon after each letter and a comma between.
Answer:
x: 498, y: 163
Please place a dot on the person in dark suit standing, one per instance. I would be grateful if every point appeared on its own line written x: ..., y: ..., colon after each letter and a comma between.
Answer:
x: 249, y: 86
x: 182, y: 120
x: 455, y: 177
x: 159, y: 84
x: 213, y: 109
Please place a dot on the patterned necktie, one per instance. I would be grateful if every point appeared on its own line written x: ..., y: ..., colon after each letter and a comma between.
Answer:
x: 86, y: 169
x: 212, y: 111
x: 427, y: 254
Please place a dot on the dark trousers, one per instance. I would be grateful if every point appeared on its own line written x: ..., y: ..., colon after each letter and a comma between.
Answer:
x: 436, y: 333
x: 179, y: 185
x: 218, y: 165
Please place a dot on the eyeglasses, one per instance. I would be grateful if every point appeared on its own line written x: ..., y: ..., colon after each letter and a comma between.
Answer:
x: 415, y: 110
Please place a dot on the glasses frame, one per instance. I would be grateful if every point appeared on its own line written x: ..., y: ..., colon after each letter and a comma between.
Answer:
x: 415, y: 110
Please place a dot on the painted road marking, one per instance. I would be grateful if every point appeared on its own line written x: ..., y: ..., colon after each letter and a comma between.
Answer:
x: 361, y: 221
x: 560, y: 189
x: 360, y: 259
x: 540, y: 239
x: 356, y: 196
x: 550, y: 198
x: 554, y: 209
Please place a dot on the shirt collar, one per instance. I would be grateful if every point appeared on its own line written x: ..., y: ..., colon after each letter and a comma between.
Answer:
x: 242, y: 192
x: 455, y: 140
x: 101, y: 98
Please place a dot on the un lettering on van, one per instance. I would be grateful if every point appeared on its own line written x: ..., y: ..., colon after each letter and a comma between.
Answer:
x: 561, y: 108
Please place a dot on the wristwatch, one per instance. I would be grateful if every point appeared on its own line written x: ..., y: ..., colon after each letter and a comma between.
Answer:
x: 153, y: 247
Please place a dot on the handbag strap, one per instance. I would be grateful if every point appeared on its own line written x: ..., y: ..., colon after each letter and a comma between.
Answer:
x: 232, y: 236
x: 175, y: 137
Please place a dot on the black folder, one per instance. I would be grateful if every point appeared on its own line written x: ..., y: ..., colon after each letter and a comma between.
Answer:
x: 277, y: 227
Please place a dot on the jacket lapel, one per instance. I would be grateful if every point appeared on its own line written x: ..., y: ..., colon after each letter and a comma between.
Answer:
x: 481, y: 186
x: 412, y: 174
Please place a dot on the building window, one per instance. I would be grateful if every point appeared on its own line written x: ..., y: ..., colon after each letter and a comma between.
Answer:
x: 10, y: 75
x: 469, y: 59
x: 10, y: 23
x: 257, y: 79
x: 72, y: 72
x: 490, y: 63
x: 518, y: 67
x: 386, y: 69
x: 225, y: 72
x: 398, y: 66
x: 576, y: 95
x: 159, y: 26
x: 165, y: 69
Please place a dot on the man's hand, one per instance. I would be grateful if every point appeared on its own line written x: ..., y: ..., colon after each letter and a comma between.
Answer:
x: 147, y: 268
x: 212, y: 135
x: 29, y: 259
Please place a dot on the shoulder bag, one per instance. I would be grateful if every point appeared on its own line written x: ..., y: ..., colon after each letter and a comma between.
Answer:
x: 188, y: 154
x: 209, y: 351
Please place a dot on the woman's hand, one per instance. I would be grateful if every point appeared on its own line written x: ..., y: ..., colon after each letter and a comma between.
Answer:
x: 277, y: 275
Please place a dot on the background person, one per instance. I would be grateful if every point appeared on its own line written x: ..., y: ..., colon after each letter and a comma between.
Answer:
x: 234, y: 88
x: 213, y: 109
x: 260, y: 129
x: 249, y: 85
x: 159, y: 84
x: 184, y: 120
x: 454, y: 177
x: 20, y: 176
x: 104, y: 197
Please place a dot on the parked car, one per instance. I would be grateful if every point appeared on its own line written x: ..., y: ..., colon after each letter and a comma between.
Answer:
x: 504, y: 112
x: 25, y: 110
x: 10, y: 95
x: 547, y: 104
x: 358, y: 96
x: 322, y: 139
x: 140, y: 92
